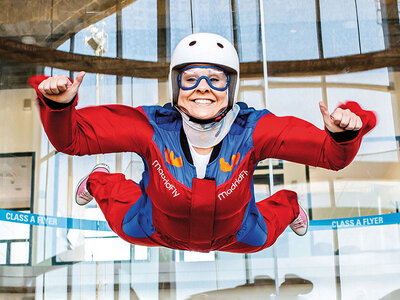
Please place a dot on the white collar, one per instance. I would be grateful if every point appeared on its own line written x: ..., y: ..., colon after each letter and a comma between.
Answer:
x: 208, y: 135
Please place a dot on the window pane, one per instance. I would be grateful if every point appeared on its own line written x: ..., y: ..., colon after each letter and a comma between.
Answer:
x: 141, y: 252
x: 139, y: 23
x: 3, y: 253
x: 213, y: 16
x: 19, y: 253
x: 99, y: 249
x: 290, y: 30
x: 339, y: 23
x: 180, y: 21
x: 103, y: 33
x: 249, y: 27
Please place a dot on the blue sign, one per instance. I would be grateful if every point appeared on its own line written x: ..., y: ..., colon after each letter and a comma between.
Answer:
x: 51, y: 221
x: 355, y: 222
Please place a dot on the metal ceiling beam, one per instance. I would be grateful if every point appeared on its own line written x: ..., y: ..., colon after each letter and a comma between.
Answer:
x: 32, y: 54
x: 52, y: 22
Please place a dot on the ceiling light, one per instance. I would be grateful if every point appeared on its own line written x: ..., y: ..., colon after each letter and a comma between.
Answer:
x: 30, y: 40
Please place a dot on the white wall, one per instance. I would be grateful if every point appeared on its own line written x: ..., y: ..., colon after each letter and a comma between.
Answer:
x: 19, y: 130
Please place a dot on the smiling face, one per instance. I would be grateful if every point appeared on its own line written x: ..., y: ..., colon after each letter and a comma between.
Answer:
x: 203, y: 102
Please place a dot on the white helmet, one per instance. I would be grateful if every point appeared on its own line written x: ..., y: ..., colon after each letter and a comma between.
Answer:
x: 206, y: 48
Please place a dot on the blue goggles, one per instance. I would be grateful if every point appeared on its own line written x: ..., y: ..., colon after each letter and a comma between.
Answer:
x: 190, y: 77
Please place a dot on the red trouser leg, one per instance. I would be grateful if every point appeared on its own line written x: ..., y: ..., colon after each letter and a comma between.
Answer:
x: 278, y: 211
x: 115, y: 196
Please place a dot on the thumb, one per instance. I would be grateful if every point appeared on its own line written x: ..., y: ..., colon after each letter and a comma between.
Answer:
x: 78, y: 80
x: 325, y: 112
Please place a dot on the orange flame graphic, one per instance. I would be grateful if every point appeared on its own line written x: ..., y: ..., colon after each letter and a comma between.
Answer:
x: 225, y: 166
x: 169, y: 157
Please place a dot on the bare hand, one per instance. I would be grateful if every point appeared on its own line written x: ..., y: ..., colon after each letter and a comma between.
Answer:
x: 59, y: 88
x: 340, y: 120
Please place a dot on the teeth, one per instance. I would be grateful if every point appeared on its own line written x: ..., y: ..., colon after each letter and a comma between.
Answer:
x: 202, y: 101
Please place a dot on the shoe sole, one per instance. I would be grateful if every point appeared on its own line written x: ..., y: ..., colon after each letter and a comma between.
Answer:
x: 308, y: 222
x: 84, y: 178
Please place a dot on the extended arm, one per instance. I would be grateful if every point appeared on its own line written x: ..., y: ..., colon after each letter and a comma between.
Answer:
x: 93, y: 130
x: 296, y: 140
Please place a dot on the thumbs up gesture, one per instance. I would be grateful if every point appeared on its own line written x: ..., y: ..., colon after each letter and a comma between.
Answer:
x: 60, y: 89
x: 340, y: 120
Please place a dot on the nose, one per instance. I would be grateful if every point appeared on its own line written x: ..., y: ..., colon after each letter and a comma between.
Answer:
x: 203, y: 86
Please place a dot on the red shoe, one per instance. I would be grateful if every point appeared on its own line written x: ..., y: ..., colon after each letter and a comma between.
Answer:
x: 300, y: 224
x: 82, y: 196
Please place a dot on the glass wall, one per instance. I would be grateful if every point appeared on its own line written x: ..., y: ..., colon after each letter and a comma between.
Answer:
x: 293, y: 54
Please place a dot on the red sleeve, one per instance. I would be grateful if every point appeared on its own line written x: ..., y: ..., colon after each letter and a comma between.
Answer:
x: 94, y: 129
x: 296, y: 140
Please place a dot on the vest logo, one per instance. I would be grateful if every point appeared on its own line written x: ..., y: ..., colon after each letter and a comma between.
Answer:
x: 170, y: 158
x: 225, y: 166
x: 234, y: 185
x: 169, y: 186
